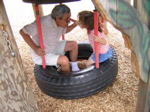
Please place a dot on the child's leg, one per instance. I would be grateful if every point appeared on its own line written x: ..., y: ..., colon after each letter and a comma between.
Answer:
x: 89, y: 61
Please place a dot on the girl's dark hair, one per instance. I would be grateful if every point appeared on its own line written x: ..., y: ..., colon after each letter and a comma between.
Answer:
x: 86, y: 18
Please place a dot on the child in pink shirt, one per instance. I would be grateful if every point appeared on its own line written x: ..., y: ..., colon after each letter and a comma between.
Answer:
x: 86, y: 20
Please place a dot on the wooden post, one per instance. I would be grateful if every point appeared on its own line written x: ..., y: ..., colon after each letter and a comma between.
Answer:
x: 41, y: 12
x: 129, y: 1
x: 15, y: 92
x: 143, y: 102
x: 147, y: 101
x: 143, y: 8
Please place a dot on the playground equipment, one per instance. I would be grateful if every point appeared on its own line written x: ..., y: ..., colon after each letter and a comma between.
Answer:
x: 20, y: 95
x: 83, y: 83
x: 66, y: 85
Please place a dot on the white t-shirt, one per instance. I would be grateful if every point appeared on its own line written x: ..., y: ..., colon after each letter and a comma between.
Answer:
x: 50, y: 31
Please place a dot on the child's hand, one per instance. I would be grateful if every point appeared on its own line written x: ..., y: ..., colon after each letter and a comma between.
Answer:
x: 77, y: 22
x: 103, y: 25
x: 72, y: 20
x: 39, y: 51
x: 100, y: 40
x: 96, y: 38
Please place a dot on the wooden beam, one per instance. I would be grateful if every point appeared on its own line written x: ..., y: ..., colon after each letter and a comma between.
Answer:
x: 41, y: 12
x: 143, y: 101
x: 143, y: 7
x: 15, y: 92
x: 147, y: 105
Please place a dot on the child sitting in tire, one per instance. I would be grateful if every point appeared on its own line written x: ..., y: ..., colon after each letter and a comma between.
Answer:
x: 86, y: 20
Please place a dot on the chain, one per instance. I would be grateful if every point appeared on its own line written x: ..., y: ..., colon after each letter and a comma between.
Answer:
x: 5, y: 35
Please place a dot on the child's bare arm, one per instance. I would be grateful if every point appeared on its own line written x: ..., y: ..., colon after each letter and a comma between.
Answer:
x: 71, y: 27
x: 100, y: 40
x: 104, y: 27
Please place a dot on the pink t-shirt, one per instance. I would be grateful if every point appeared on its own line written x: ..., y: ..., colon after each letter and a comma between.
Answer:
x: 101, y: 48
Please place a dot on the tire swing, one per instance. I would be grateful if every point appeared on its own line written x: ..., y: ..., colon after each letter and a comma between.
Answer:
x: 74, y: 85
x: 83, y: 83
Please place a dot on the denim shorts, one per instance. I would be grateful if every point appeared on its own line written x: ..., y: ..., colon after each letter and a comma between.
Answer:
x: 103, y: 57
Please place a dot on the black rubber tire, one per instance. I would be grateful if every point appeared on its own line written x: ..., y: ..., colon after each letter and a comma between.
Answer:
x: 84, y: 51
x: 73, y: 86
